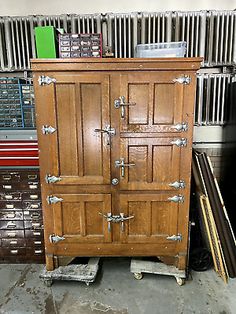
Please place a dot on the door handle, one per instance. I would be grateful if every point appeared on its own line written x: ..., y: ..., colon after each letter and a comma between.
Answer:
x: 109, y: 131
x: 121, y: 163
x: 120, y: 103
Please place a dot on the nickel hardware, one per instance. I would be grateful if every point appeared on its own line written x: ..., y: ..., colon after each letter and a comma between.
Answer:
x: 34, y: 196
x: 108, y: 130
x: 13, y: 242
x: 180, y: 142
x: 178, y: 184
x: 38, y: 251
x: 52, y: 179
x: 121, y: 163
x: 54, y: 199
x: 114, y: 181
x: 55, y: 238
x: 115, y: 219
x: 7, y: 187
x: 46, y: 80
x: 181, y: 127
x: 11, y: 215
x: 185, y: 79
x: 120, y: 103
x: 176, y: 199
x: 9, y: 206
x: 11, y: 234
x: 32, y: 176
x: 11, y: 225
x: 48, y: 129
x: 174, y: 237
x: 14, y: 251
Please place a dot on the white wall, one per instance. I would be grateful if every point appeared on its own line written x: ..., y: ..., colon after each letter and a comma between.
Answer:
x: 27, y: 7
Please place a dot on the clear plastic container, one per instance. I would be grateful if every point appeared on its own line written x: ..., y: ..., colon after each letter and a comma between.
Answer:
x: 161, y: 50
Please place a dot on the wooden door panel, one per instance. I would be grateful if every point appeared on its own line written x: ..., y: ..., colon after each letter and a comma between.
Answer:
x: 79, y: 218
x: 155, y: 218
x: 82, y: 105
x: 156, y: 102
x: 157, y: 163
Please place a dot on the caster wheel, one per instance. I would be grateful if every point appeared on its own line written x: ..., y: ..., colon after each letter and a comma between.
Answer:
x: 138, y: 276
x: 87, y: 283
x: 48, y: 282
x: 180, y: 281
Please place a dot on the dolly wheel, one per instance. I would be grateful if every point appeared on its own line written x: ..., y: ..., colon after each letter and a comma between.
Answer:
x: 138, y: 276
x: 48, y: 282
x: 180, y: 281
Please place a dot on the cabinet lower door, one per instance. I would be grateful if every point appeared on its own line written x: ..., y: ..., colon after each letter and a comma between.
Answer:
x: 79, y: 218
x: 153, y: 218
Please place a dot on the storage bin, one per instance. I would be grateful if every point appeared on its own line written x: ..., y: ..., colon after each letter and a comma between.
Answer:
x: 161, y: 50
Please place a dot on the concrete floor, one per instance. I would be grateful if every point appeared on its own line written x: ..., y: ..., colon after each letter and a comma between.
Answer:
x: 114, y: 292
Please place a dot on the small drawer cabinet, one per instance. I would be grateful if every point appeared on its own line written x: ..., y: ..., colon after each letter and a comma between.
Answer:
x: 21, y: 225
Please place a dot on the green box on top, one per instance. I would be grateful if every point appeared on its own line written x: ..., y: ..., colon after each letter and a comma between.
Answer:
x: 45, y: 38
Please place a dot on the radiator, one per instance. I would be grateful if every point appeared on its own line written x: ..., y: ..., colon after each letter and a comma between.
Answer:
x: 122, y: 34
x: 213, y: 100
x: 209, y: 34
x: 17, y: 44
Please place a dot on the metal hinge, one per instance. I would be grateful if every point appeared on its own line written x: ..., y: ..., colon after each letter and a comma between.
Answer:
x: 121, y: 163
x: 53, y: 199
x: 48, y: 129
x: 52, y: 179
x: 46, y: 80
x: 120, y: 103
x: 181, y: 127
x: 174, y: 237
x: 176, y: 199
x: 178, y: 184
x: 180, y: 142
x: 185, y: 79
x: 55, y: 238
x: 115, y: 219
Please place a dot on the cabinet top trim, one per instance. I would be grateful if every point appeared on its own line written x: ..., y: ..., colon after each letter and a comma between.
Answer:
x: 116, y: 64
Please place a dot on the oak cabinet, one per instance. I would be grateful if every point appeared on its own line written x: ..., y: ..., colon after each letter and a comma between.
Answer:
x: 115, y: 140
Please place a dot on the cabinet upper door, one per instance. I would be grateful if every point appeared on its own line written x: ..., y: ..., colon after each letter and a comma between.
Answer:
x: 150, y: 163
x: 79, y: 149
x: 153, y: 102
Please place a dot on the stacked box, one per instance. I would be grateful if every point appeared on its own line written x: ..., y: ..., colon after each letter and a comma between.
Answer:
x: 16, y: 103
x: 80, y: 45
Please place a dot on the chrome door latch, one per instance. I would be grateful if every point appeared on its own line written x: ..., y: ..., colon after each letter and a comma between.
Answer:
x: 55, y: 238
x: 48, y: 129
x: 176, y: 199
x: 116, y: 219
x: 181, y: 127
x: 46, y: 80
x: 185, y: 79
x: 180, y: 142
x: 174, y: 237
x: 120, y: 103
x: 178, y: 184
x: 53, y: 199
x: 109, y: 131
x: 52, y: 179
x: 121, y: 163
